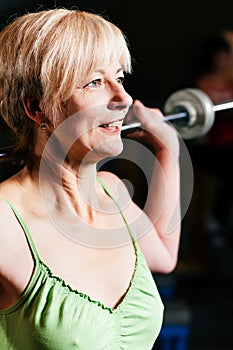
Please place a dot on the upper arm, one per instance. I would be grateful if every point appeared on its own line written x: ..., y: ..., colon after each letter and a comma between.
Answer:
x: 152, y: 246
x: 14, y: 252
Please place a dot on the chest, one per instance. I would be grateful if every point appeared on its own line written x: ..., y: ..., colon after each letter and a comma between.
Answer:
x: 103, y: 273
x: 65, y: 319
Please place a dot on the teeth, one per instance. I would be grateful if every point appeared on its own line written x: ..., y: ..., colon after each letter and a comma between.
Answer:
x: 114, y: 124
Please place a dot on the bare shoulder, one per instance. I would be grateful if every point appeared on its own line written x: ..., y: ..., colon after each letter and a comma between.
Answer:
x: 6, y: 226
x: 6, y: 221
x: 108, y: 177
x: 114, y: 184
x: 121, y: 194
x: 7, y: 189
x: 5, y: 213
x: 5, y: 196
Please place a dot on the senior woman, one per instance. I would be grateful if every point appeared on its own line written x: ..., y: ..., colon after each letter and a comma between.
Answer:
x: 76, y: 253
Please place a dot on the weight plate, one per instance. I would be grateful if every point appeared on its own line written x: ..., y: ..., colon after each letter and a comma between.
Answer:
x: 200, y: 110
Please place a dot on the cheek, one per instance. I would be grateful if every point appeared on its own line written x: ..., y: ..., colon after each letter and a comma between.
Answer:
x: 76, y: 103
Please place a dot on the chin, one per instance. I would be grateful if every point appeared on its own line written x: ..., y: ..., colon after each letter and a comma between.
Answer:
x: 104, y: 150
x: 110, y: 149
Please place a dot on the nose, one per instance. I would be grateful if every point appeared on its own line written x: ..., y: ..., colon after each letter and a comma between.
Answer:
x: 120, y: 99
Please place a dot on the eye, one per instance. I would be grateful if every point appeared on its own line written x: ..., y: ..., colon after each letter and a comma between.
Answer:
x: 120, y: 80
x: 94, y: 83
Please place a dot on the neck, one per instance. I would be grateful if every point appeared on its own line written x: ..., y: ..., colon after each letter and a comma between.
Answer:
x: 64, y: 185
x: 73, y: 186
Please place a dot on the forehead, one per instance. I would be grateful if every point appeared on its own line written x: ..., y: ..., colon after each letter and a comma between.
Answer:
x: 112, y: 67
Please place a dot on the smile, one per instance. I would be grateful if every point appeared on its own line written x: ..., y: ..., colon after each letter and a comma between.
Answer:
x: 113, y: 127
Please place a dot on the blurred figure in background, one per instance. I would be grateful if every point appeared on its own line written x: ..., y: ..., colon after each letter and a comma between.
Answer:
x: 216, y: 79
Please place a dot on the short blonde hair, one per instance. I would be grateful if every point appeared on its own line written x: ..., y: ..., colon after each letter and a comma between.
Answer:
x: 45, y: 55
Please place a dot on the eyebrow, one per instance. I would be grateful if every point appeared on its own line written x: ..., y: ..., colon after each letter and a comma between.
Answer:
x: 102, y: 71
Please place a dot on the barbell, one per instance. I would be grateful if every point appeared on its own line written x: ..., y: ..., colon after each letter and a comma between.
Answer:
x: 191, y: 112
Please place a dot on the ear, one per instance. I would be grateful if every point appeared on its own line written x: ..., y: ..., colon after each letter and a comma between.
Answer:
x: 32, y: 109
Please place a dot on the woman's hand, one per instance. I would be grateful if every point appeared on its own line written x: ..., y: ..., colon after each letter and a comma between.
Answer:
x: 154, y: 130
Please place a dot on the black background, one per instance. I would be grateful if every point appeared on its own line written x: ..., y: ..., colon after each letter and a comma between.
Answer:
x: 165, y: 37
x: 166, y: 40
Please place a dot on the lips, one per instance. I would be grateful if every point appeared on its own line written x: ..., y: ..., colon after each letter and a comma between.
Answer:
x: 112, y: 126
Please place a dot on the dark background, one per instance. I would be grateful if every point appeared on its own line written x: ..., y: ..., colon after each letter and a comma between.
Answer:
x: 166, y: 41
x: 165, y: 36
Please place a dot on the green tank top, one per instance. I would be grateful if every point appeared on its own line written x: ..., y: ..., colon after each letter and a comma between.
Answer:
x: 50, y: 315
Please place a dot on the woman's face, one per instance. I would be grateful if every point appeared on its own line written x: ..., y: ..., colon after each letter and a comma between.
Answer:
x: 95, y: 113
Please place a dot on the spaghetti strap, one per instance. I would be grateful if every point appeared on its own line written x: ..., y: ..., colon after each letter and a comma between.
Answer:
x: 116, y: 203
x: 25, y: 230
